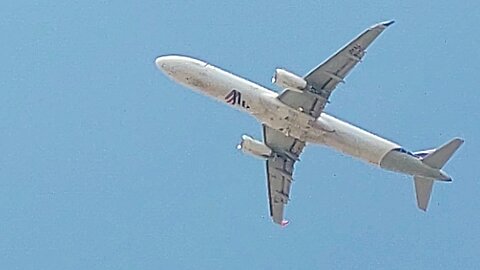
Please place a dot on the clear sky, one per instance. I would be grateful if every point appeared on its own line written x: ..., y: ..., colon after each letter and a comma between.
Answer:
x: 107, y: 164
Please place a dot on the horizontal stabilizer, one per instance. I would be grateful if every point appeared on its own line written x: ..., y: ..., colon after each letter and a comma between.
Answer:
x: 423, y: 190
x: 436, y: 159
x: 441, y: 155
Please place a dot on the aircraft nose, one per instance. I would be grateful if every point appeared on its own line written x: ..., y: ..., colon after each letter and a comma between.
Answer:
x: 172, y: 63
x: 166, y: 63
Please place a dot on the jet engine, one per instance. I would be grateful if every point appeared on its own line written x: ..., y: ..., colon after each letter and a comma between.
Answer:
x: 286, y: 79
x: 258, y: 149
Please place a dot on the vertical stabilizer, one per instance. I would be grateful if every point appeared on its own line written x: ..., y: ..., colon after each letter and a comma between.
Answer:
x: 423, y: 189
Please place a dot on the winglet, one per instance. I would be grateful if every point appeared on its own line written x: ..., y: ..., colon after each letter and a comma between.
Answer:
x: 383, y: 25
x: 387, y: 23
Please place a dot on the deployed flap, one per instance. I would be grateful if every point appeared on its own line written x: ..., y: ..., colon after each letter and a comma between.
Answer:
x: 423, y: 190
x: 286, y: 151
x: 324, y: 78
x: 440, y: 156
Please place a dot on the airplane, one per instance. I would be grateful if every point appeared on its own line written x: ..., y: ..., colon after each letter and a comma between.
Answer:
x: 296, y: 117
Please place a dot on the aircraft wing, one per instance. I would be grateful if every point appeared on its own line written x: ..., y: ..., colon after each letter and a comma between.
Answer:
x: 324, y: 78
x: 286, y: 151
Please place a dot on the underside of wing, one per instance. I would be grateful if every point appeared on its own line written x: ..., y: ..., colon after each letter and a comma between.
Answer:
x: 279, y: 168
x: 323, y: 79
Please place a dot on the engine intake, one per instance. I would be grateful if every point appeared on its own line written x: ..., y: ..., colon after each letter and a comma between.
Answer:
x: 258, y: 149
x: 286, y: 79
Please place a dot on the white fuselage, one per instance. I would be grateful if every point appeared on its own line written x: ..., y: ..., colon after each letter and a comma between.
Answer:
x: 264, y: 105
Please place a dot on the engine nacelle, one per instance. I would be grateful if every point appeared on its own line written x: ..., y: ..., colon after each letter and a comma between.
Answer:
x: 258, y: 149
x: 286, y: 79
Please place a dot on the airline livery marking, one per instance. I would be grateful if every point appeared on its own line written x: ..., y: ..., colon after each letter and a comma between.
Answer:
x: 235, y: 97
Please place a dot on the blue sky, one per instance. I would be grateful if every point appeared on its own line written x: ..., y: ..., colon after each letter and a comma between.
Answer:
x: 107, y: 164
